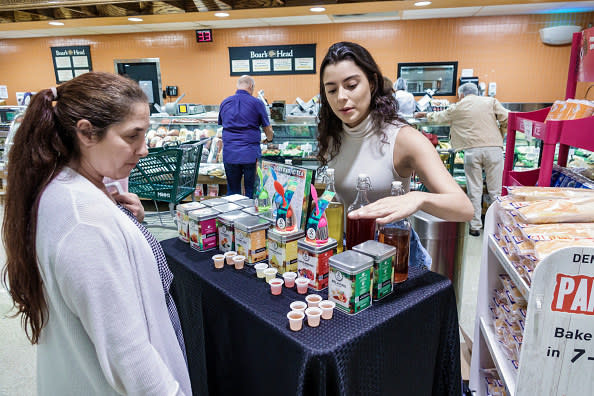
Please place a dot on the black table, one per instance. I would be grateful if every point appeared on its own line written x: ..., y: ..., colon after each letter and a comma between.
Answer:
x: 238, y: 339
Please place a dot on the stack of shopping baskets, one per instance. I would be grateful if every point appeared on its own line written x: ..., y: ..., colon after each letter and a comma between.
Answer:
x: 168, y: 173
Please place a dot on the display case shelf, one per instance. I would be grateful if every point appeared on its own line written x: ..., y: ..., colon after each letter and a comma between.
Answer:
x: 504, y: 367
x: 509, y: 267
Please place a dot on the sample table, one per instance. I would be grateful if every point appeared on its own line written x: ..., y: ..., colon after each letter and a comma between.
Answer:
x: 238, y: 339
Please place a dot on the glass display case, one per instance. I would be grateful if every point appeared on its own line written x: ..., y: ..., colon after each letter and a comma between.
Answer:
x: 295, y: 141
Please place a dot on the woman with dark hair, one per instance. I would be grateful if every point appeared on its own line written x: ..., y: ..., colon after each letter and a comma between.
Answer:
x: 359, y: 131
x: 91, y: 285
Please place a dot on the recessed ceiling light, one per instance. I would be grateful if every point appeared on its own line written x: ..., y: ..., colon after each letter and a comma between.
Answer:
x: 56, y: 23
x: 317, y: 9
x: 221, y: 14
x: 135, y: 19
x: 422, y: 3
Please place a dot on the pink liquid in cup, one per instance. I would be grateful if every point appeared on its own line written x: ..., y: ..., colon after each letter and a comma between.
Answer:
x: 302, y: 285
x: 313, y: 300
x: 327, y: 308
x: 295, y: 320
x: 276, y: 286
x: 289, y: 278
x: 219, y: 260
x: 313, y: 316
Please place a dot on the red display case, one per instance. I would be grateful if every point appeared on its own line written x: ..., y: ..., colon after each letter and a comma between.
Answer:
x: 569, y: 133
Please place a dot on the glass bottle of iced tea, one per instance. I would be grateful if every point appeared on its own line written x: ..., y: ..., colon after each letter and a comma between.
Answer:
x: 397, y: 234
x: 335, y: 213
x: 360, y: 230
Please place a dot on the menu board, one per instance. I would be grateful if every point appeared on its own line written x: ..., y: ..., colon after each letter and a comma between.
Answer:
x: 273, y: 59
x: 70, y: 62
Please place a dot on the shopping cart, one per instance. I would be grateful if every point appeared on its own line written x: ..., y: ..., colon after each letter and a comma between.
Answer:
x: 167, y: 174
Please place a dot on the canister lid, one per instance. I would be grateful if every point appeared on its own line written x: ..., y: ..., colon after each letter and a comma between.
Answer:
x: 230, y: 217
x: 251, y: 210
x: 269, y: 214
x: 234, y: 197
x: 284, y: 237
x: 186, y: 207
x: 351, y: 262
x: 214, y: 202
x: 379, y: 251
x: 252, y: 223
x: 203, y: 214
x: 245, y: 203
x: 317, y: 249
x: 228, y: 207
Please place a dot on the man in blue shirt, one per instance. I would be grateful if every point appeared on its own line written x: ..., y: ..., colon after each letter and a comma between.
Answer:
x: 241, y: 116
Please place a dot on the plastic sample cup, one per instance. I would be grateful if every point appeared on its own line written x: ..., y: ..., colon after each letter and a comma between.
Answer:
x: 276, y: 286
x: 238, y: 260
x: 313, y: 300
x: 295, y: 320
x: 313, y: 316
x: 298, y: 306
x: 219, y: 260
x: 327, y: 308
x: 270, y: 273
x: 302, y: 285
x: 260, y: 267
x: 289, y: 278
x: 229, y: 256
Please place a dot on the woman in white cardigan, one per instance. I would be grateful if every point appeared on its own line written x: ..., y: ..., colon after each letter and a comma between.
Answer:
x: 86, y: 277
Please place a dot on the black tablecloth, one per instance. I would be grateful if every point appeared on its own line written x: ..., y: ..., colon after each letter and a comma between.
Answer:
x: 238, y: 339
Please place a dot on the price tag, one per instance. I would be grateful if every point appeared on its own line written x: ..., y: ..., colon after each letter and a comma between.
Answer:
x: 527, y: 126
x: 307, y: 147
x: 283, y: 146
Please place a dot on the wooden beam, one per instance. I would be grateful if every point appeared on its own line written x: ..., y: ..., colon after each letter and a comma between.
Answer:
x: 24, y: 16
x: 222, y: 5
x: 110, y: 10
x: 63, y: 13
x: 201, y: 6
x: 6, y: 17
x: 161, y: 7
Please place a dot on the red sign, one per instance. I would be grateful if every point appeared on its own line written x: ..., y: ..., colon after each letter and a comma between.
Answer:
x: 586, y: 61
x: 574, y: 294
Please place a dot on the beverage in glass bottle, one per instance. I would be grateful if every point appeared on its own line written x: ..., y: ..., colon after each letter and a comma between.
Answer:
x: 397, y: 234
x: 335, y: 213
x: 360, y: 230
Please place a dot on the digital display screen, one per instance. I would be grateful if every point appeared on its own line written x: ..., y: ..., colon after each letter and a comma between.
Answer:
x: 204, y: 36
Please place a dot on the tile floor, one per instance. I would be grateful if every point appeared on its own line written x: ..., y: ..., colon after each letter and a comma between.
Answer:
x: 17, y: 356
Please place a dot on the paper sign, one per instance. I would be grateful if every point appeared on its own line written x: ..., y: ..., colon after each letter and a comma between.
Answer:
x: 3, y: 92
x: 527, y: 127
x: 557, y: 356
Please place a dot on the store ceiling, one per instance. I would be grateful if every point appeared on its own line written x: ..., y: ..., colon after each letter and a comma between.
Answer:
x: 31, y: 18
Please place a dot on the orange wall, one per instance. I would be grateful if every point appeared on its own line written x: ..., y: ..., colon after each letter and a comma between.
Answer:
x: 506, y: 50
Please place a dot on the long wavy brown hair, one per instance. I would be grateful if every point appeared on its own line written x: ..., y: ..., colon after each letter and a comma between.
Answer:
x: 383, y: 106
x: 45, y: 142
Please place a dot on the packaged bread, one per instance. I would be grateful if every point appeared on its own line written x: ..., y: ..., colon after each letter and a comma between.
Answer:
x: 543, y: 248
x: 557, y: 110
x: 549, y: 232
x: 579, y: 109
x: 574, y: 210
x: 526, y: 193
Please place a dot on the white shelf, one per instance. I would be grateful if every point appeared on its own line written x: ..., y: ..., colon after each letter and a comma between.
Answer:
x: 506, y: 370
x: 509, y: 268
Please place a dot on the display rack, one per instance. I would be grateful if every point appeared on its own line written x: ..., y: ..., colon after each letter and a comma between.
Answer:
x: 487, y: 351
x: 567, y: 133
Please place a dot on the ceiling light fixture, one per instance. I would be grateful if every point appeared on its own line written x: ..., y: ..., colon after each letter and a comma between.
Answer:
x: 56, y: 23
x: 317, y: 9
x: 135, y: 19
x: 422, y: 3
x: 221, y: 14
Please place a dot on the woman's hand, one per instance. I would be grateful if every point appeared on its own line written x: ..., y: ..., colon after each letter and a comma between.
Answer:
x: 389, y: 209
x: 131, y: 202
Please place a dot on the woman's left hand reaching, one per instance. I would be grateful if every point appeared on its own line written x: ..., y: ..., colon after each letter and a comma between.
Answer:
x: 389, y: 209
x: 131, y: 202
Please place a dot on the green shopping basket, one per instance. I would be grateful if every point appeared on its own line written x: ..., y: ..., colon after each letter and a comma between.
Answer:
x: 167, y: 174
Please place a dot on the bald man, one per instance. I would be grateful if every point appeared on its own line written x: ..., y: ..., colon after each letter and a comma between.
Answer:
x: 241, y: 116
